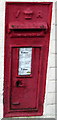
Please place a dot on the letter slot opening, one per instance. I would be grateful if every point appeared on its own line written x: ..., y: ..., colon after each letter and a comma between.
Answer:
x: 38, y: 29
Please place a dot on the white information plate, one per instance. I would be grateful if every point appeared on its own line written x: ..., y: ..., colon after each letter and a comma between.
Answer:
x: 25, y: 58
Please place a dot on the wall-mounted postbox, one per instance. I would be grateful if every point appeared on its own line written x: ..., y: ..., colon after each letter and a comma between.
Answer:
x: 27, y: 34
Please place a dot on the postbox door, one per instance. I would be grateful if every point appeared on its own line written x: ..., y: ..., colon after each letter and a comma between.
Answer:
x: 24, y: 81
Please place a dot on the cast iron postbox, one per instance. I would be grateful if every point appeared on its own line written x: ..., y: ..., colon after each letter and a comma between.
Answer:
x: 27, y: 34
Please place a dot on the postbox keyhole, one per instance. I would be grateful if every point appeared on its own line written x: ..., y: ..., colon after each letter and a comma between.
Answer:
x: 18, y: 83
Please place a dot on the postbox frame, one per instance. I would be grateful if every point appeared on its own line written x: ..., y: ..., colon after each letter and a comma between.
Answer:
x: 16, y: 113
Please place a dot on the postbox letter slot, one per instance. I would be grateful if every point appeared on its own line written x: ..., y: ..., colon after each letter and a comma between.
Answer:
x: 28, y: 30
x: 17, y: 26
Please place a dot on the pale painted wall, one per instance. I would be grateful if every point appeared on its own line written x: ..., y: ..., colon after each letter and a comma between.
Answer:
x: 56, y: 51
x: 49, y: 104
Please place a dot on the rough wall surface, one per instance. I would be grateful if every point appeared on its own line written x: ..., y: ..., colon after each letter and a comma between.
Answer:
x: 49, y: 104
x: 56, y: 55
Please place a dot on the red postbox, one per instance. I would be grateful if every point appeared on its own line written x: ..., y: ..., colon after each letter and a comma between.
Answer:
x: 27, y: 34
